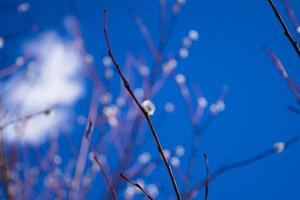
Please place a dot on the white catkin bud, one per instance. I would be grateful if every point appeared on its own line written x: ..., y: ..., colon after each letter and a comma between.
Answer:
x: 169, y: 107
x: 182, y: 2
x: 202, y: 102
x: 88, y: 59
x: 19, y: 61
x: 106, y: 61
x: 149, y: 107
x: 144, y: 70
x: 169, y: 66
x: 183, y: 53
x: 106, y: 98
x: 298, y: 29
x: 1, y: 42
x: 217, y: 107
x: 110, y: 111
x: 144, y: 158
x: 167, y: 153
x: 141, y: 183
x: 193, y: 34
x: 57, y: 160
x: 120, y: 101
x: 180, y: 79
x: 139, y: 93
x: 81, y: 119
x: 24, y: 7
x: 186, y: 42
x: 129, y: 192
x: 113, y: 121
x: 153, y: 190
x: 108, y: 73
x: 279, y: 147
x: 179, y: 150
x: 175, y: 162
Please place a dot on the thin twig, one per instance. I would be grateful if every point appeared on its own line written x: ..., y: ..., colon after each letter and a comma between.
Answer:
x: 102, y: 169
x: 293, y: 109
x: 278, y: 64
x: 27, y: 117
x: 138, y: 186
x: 285, y: 29
x: 239, y: 164
x: 130, y: 91
x: 108, y: 182
x: 207, y: 176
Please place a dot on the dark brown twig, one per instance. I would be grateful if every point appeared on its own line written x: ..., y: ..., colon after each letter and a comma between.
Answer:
x: 102, y: 169
x: 285, y: 29
x: 207, y: 176
x: 130, y: 91
x: 138, y: 186
x: 107, y: 180
x: 239, y: 164
x: 293, y: 109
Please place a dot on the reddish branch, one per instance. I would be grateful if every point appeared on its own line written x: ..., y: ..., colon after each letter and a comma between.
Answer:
x: 239, y: 164
x: 130, y: 91
x: 95, y: 156
x: 278, y: 64
x: 285, y: 29
x: 138, y: 186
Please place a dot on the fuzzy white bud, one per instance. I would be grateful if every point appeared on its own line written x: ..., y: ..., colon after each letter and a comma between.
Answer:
x: 24, y: 7
x: 106, y: 61
x: 183, y: 53
x: 202, y: 102
x: 144, y: 158
x: 149, y: 107
x: 169, y: 107
x: 194, y: 35
x: 180, y: 79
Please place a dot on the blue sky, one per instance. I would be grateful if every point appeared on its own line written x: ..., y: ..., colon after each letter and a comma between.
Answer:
x: 228, y: 52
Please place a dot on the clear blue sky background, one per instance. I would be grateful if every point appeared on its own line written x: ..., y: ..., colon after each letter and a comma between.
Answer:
x: 227, y: 53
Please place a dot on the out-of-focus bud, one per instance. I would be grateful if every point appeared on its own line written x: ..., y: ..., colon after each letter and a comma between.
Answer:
x: 279, y: 147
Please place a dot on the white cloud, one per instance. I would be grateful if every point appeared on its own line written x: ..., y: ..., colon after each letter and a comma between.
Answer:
x: 55, y: 79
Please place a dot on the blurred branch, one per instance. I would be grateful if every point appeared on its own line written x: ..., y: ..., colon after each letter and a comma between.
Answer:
x: 27, y: 117
x: 127, y: 86
x: 293, y: 109
x: 136, y: 185
x: 278, y: 64
x: 292, y: 16
x: 284, y: 27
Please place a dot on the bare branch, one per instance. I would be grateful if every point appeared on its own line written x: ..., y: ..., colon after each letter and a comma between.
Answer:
x: 239, y: 164
x: 285, y: 29
x: 102, y: 169
x: 207, y: 176
x: 27, y: 117
x: 138, y: 186
x: 130, y: 91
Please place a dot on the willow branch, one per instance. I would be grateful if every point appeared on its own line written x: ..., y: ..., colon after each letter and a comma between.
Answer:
x: 25, y: 118
x: 236, y: 165
x: 284, y: 27
x: 207, y: 176
x: 130, y: 91
x: 95, y: 157
x: 136, y: 185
